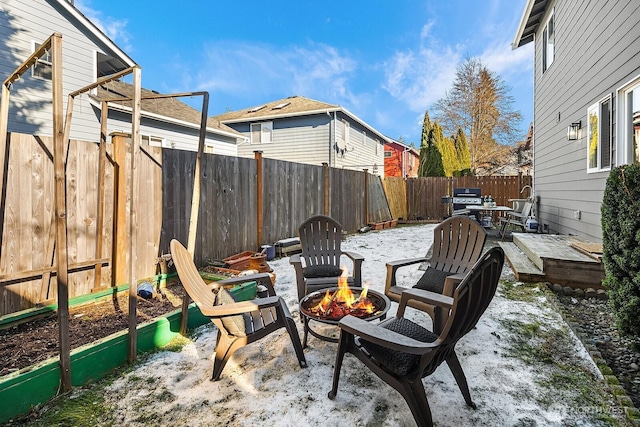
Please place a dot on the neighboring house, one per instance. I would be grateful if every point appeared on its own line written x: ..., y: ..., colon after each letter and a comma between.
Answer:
x: 586, y: 105
x: 302, y: 130
x: 87, y: 54
x: 400, y: 160
x: 524, y: 154
x: 165, y: 122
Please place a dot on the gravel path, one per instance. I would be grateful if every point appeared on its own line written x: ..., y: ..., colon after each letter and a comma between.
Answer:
x: 594, y: 322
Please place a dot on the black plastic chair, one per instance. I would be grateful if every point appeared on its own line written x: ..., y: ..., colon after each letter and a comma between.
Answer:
x: 402, y: 352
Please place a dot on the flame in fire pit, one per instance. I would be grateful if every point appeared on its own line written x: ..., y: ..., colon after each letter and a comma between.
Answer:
x: 343, y: 302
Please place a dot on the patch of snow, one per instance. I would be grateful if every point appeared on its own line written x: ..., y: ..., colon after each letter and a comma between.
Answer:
x: 263, y: 385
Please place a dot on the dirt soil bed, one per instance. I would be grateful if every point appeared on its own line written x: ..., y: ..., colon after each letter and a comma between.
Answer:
x: 37, y: 340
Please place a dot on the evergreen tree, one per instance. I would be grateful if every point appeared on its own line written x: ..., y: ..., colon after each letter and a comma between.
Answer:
x: 447, y: 150
x: 462, y: 153
x: 433, y: 161
x: 424, y: 141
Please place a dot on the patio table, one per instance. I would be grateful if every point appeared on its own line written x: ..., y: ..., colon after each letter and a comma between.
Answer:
x: 487, y: 211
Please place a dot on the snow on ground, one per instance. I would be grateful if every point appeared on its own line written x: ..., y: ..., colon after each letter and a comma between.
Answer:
x: 263, y: 385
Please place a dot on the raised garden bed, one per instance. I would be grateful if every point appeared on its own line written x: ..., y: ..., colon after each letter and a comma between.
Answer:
x: 31, y: 385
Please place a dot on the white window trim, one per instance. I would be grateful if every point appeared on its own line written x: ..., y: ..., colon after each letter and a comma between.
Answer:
x: 596, y: 107
x: 40, y: 61
x: 266, y: 129
x: 623, y: 137
x: 152, y: 141
x: 545, y: 42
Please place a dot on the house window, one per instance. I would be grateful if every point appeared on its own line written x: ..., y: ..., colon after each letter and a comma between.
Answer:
x: 42, y: 67
x: 629, y: 122
x: 599, y: 136
x: 262, y: 133
x: 388, y: 154
x: 154, y: 141
x: 548, y: 42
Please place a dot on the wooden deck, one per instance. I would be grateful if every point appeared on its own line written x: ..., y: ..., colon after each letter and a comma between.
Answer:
x: 553, y: 258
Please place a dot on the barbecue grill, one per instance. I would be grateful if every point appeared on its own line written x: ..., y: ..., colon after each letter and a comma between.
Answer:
x: 463, y: 197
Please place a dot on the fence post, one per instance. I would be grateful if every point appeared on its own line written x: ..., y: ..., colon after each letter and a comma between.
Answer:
x: 259, y: 200
x: 366, y: 196
x: 119, y: 246
x: 325, y: 166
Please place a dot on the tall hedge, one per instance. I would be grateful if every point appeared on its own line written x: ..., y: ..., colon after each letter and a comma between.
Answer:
x: 621, y: 246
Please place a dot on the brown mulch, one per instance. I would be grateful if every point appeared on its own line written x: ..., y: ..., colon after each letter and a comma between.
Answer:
x: 37, y: 340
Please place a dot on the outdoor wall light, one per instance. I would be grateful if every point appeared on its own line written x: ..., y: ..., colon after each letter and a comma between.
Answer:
x: 572, y: 130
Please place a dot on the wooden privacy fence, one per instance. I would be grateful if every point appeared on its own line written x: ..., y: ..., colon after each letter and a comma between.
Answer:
x: 233, y: 215
x: 423, y: 196
x: 228, y: 220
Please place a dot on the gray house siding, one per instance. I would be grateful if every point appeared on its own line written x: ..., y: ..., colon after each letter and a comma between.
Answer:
x: 365, y: 150
x: 23, y: 22
x: 597, y: 49
x: 174, y: 136
x: 309, y: 139
x: 302, y: 139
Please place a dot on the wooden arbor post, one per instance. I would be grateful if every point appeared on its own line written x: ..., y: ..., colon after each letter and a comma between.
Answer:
x: 61, y: 213
x: 259, y: 196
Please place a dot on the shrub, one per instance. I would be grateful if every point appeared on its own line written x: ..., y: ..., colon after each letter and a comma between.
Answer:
x: 621, y: 246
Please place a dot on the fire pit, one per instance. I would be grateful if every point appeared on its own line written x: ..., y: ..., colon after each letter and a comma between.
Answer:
x: 332, y: 304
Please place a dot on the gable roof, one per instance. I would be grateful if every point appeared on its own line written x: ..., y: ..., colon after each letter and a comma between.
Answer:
x: 287, y: 107
x: 533, y: 13
x: 292, y: 106
x: 93, y: 29
x: 163, y: 109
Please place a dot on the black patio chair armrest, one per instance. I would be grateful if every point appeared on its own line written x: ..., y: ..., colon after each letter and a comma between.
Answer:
x: 393, y: 266
x: 426, y: 297
x: 354, y: 256
x: 451, y: 282
x: 378, y: 335
x: 357, y: 267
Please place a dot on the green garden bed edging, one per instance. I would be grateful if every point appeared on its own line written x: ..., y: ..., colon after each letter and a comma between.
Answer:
x: 38, y: 383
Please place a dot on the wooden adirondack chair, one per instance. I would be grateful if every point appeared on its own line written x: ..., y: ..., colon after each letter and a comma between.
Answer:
x: 457, y: 245
x: 239, y: 323
x: 318, y: 266
x: 402, y: 352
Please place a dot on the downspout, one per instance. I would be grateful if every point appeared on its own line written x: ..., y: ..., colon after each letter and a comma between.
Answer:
x: 331, y: 135
x: 404, y: 162
x: 533, y: 138
x: 335, y: 119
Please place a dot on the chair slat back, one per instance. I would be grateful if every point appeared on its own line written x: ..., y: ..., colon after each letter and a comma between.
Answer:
x: 190, y: 277
x: 473, y: 295
x: 458, y: 243
x: 320, y: 240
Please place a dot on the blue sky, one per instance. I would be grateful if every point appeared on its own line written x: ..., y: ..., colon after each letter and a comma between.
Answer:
x: 386, y: 62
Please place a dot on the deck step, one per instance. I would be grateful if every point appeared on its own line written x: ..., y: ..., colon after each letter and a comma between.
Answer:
x: 523, y: 268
